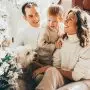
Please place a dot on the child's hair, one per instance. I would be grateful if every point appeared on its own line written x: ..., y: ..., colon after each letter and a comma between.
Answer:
x: 55, y: 10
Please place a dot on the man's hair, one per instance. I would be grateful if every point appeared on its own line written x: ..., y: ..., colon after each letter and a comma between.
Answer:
x: 28, y: 5
x: 55, y: 10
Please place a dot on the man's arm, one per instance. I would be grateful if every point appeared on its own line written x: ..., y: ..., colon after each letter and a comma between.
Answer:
x: 18, y: 40
x: 40, y: 70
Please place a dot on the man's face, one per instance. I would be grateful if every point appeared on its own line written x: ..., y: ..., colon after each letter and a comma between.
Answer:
x: 32, y: 16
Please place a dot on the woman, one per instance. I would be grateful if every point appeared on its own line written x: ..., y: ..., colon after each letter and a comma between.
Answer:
x: 74, y: 56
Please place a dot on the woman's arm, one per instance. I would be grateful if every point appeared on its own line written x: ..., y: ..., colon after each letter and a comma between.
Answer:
x: 67, y: 74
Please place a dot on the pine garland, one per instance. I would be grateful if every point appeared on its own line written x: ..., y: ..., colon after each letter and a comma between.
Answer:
x: 9, y: 72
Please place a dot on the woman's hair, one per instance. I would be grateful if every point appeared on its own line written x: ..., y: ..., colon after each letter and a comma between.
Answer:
x: 55, y: 10
x: 82, y: 26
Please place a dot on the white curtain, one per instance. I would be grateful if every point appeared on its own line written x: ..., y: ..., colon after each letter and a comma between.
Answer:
x: 12, y: 10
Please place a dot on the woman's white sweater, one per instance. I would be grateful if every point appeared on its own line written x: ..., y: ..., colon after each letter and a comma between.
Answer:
x: 75, y: 58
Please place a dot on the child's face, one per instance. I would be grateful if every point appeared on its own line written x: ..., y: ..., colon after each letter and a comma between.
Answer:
x: 53, y: 22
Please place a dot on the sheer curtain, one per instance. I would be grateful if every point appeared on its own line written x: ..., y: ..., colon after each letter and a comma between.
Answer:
x: 14, y: 17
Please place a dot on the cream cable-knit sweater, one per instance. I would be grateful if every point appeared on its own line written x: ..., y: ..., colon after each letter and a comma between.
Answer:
x: 75, y: 58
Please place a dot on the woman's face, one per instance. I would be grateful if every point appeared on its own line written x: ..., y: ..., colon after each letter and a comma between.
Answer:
x: 70, y: 23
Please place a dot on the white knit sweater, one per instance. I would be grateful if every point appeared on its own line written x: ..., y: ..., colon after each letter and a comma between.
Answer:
x: 29, y: 36
x: 75, y: 58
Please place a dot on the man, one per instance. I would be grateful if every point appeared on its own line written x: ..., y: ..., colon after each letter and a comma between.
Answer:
x: 31, y: 33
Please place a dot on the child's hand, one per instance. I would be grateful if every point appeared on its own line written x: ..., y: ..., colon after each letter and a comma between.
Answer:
x: 58, y: 44
x: 39, y: 71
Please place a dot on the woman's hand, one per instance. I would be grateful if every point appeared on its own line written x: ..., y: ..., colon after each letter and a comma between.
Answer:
x: 39, y: 71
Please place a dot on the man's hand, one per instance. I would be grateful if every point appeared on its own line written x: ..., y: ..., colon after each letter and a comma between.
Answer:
x: 39, y: 71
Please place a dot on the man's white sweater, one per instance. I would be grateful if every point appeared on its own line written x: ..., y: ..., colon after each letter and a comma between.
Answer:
x: 29, y: 36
